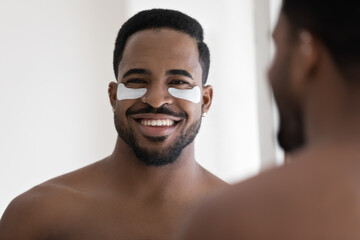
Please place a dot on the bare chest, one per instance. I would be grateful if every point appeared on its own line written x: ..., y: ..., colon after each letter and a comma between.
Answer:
x: 121, y: 220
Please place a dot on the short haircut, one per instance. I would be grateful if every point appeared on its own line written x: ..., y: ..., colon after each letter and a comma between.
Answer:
x: 163, y: 18
x: 335, y: 23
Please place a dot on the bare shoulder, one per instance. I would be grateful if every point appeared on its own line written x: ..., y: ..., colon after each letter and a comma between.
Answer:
x: 284, y: 203
x: 35, y: 212
x: 235, y: 211
x: 45, y: 208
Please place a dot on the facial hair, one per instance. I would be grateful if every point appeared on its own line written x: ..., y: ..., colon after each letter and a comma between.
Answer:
x: 154, y: 157
x: 291, y: 135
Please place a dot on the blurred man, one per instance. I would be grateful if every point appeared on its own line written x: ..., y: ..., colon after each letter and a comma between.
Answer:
x: 144, y: 187
x: 315, y: 77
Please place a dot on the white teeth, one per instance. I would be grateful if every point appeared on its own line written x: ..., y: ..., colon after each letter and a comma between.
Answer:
x: 158, y: 122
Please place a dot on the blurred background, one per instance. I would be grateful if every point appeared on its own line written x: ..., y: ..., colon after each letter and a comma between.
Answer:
x: 56, y: 63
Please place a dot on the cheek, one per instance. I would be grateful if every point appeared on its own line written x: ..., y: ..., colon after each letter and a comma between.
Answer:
x: 192, y: 110
x: 279, y: 74
x: 123, y: 106
x: 274, y: 70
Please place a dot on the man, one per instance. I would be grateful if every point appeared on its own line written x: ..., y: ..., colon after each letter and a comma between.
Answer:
x: 315, y: 77
x: 144, y: 187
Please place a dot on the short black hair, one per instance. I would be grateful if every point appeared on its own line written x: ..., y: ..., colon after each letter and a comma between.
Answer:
x: 163, y: 18
x: 335, y: 23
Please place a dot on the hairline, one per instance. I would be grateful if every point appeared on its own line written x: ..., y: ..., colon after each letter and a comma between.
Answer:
x: 154, y: 28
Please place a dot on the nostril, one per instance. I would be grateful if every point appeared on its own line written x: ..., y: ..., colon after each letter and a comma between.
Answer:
x: 156, y: 101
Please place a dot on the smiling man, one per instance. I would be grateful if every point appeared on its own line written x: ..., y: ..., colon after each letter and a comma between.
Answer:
x: 315, y: 78
x: 142, y: 190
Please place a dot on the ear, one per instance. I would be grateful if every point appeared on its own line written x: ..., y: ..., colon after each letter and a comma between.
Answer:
x: 305, y: 61
x: 207, y: 98
x: 112, y: 94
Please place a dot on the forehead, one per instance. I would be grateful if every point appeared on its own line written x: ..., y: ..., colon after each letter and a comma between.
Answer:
x: 164, y: 48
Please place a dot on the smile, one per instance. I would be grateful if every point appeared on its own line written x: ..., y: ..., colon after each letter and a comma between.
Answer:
x: 156, y: 125
x: 157, y: 122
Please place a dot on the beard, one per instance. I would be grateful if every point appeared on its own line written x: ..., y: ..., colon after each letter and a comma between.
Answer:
x: 291, y: 133
x: 156, y: 157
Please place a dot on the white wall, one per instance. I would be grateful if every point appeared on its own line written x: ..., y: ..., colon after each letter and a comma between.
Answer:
x: 274, y: 13
x: 56, y: 62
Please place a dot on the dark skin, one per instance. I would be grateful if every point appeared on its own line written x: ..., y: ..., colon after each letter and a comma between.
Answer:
x: 316, y: 195
x: 120, y: 197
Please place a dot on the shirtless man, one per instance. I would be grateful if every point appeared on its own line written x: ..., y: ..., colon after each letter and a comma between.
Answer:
x: 144, y: 187
x: 315, y: 77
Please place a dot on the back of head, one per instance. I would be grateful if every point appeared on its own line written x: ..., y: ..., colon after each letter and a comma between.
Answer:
x: 162, y: 18
x: 335, y: 23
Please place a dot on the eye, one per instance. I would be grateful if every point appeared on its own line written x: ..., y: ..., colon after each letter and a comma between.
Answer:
x: 135, y: 82
x: 179, y: 82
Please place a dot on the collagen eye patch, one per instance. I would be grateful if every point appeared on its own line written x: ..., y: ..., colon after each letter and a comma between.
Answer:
x: 192, y: 95
x: 124, y: 93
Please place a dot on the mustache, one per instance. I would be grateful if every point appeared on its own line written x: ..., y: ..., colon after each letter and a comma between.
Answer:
x: 160, y: 110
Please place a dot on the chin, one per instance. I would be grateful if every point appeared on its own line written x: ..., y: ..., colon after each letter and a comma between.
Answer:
x: 291, y: 135
x: 290, y: 141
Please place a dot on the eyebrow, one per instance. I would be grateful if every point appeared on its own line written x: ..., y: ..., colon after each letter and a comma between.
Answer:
x: 147, y: 72
x: 136, y: 71
x: 179, y: 72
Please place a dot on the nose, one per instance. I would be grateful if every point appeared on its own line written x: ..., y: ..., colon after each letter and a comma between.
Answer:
x: 156, y: 96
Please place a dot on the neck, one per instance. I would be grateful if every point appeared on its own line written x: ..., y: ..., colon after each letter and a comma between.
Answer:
x: 333, y: 114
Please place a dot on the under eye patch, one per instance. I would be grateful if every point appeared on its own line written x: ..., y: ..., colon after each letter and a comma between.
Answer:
x: 192, y: 95
x: 124, y: 93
